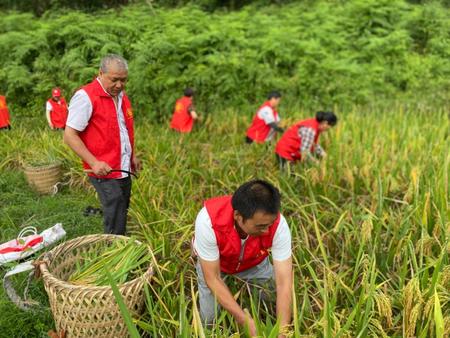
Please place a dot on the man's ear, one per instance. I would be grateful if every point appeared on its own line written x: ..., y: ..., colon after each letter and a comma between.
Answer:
x: 238, y: 217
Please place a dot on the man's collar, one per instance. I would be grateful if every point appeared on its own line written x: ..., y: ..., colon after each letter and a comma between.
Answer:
x: 240, y: 231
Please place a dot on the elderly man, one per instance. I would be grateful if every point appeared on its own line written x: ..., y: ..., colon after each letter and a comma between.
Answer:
x: 56, y: 110
x: 233, y: 236
x: 99, y: 130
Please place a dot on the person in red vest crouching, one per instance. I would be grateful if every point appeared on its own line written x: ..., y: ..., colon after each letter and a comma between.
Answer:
x: 4, y: 114
x: 233, y: 236
x: 56, y: 110
x: 100, y: 130
x: 184, y: 113
x: 265, y: 123
x: 300, y: 141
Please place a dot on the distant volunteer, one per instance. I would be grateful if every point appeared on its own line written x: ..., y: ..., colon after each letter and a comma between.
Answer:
x: 184, y: 114
x: 265, y: 124
x: 56, y: 110
x: 5, y: 123
x: 234, y: 235
x: 301, y: 141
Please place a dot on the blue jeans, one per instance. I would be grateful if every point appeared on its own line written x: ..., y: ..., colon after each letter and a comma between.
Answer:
x: 258, y: 275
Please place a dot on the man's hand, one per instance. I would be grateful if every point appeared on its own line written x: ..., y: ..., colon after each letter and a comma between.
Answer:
x: 284, y: 331
x: 51, y: 126
x: 211, y: 273
x: 101, y: 168
x: 194, y: 115
x: 137, y: 164
x: 250, y: 324
x: 306, y: 156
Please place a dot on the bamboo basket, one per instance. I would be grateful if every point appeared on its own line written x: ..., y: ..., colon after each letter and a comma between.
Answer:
x: 88, y: 311
x: 43, y: 178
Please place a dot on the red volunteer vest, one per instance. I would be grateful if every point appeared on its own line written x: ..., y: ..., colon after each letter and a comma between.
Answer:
x: 182, y: 120
x: 259, y: 130
x: 58, y: 115
x: 4, y: 113
x: 102, y: 135
x: 288, y: 147
x: 256, y: 248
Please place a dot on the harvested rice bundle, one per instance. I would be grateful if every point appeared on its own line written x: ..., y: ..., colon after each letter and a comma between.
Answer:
x: 124, y: 260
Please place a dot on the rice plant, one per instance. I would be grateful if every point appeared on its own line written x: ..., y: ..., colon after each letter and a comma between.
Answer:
x: 370, y: 225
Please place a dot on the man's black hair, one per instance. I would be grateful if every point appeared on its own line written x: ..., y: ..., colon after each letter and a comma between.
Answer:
x: 328, y: 116
x: 189, y: 92
x: 256, y: 195
x: 274, y: 94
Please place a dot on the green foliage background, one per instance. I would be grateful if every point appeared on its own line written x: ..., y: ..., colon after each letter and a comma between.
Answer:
x: 318, y: 53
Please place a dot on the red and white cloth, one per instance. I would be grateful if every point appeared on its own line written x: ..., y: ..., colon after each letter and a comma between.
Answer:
x: 28, y: 242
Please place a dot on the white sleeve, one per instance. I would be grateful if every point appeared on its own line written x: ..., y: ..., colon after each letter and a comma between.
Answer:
x: 266, y: 114
x: 281, y: 244
x: 48, y: 107
x: 205, y: 243
x: 80, y: 111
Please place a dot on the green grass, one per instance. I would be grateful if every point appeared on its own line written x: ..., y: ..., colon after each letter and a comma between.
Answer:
x: 370, y: 225
x: 21, y: 206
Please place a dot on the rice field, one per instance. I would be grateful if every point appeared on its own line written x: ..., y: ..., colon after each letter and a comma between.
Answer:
x: 370, y: 224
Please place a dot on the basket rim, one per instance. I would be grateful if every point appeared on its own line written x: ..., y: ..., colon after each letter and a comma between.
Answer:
x: 48, y: 276
x: 54, y: 164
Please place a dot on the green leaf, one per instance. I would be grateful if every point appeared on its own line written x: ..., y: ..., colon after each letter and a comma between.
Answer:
x: 123, y: 308
x: 438, y: 318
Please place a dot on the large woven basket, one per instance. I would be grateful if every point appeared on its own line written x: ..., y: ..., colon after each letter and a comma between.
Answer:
x: 43, y: 178
x: 88, y: 311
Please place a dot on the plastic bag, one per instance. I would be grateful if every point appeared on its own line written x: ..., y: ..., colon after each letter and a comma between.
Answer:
x: 28, y: 242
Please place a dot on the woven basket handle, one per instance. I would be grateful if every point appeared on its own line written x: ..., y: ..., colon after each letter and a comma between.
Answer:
x: 24, y: 304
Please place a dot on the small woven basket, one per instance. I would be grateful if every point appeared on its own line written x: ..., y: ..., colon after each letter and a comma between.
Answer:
x: 88, y: 311
x: 43, y: 178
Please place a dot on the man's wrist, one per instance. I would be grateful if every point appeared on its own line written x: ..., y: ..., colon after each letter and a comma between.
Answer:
x: 243, y: 317
x: 92, y: 163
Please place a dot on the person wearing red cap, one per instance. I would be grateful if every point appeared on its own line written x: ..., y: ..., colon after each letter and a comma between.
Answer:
x: 56, y: 110
x: 300, y: 141
x: 184, y: 113
x: 265, y: 124
x: 4, y: 114
x: 234, y: 236
x: 100, y: 130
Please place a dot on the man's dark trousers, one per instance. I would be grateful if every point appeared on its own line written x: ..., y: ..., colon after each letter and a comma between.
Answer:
x: 114, y: 194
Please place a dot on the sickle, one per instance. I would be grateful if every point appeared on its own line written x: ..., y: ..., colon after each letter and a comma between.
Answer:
x: 114, y: 170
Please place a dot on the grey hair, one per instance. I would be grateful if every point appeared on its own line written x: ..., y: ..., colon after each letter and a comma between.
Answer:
x: 113, y: 58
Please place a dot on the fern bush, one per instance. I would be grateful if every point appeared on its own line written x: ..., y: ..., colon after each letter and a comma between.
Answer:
x: 319, y: 54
